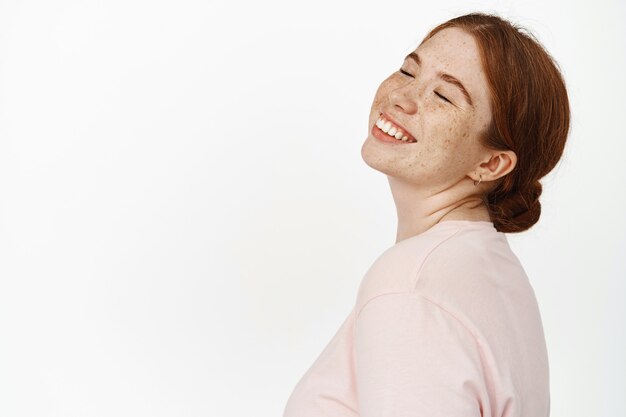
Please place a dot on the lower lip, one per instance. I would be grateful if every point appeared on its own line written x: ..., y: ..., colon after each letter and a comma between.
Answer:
x: 383, y: 137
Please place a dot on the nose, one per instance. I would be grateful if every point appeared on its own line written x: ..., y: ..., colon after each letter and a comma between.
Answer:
x: 404, y: 99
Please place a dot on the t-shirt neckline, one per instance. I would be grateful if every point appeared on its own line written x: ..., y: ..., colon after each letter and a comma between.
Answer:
x: 464, y: 223
x: 476, y: 222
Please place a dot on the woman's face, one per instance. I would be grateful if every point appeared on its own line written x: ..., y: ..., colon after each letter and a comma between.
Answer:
x: 439, y: 99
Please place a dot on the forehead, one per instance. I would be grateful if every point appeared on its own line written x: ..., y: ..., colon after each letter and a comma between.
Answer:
x: 455, y: 52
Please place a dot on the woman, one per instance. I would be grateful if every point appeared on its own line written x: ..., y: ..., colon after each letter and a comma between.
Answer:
x: 445, y: 321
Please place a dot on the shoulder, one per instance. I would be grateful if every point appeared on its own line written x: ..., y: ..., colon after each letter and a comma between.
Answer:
x: 397, y: 268
x: 477, y: 278
x: 476, y: 266
x: 454, y: 265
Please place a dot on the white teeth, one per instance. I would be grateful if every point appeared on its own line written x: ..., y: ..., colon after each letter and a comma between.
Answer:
x: 391, y: 130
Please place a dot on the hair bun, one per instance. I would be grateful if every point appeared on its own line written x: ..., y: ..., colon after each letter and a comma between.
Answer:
x: 518, y: 210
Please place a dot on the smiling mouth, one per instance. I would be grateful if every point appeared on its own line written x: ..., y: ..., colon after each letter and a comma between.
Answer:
x: 393, y: 131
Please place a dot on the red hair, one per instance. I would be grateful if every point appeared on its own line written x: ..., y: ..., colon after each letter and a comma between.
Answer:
x: 530, y: 114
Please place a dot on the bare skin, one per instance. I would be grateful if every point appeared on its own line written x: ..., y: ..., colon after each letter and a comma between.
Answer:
x: 432, y: 180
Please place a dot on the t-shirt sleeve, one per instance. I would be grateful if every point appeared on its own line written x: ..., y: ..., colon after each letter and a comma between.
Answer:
x: 413, y: 358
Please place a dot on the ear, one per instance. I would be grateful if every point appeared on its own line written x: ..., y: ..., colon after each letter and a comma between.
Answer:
x: 498, y: 165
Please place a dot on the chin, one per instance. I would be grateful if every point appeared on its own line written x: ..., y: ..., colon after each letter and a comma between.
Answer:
x: 387, y: 164
x: 374, y: 159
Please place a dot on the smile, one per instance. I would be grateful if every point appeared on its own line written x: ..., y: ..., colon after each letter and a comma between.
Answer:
x: 393, y: 131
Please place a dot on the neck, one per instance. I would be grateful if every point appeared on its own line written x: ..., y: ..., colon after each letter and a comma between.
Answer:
x: 418, y: 210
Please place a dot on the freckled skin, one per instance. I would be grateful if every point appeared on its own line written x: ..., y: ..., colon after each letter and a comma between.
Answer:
x: 433, y: 179
x: 447, y: 147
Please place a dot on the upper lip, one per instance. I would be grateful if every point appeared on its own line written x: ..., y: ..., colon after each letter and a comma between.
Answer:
x: 395, y: 122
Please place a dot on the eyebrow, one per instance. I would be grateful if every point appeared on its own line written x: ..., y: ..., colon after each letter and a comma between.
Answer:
x: 445, y: 77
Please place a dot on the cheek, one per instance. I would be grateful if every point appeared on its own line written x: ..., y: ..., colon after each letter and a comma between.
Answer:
x: 378, y: 101
x: 446, y: 130
x: 447, y: 143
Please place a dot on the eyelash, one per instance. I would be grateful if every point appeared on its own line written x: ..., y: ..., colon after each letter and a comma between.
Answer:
x: 438, y: 95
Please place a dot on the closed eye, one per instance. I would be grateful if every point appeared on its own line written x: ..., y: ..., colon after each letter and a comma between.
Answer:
x: 403, y: 72
x: 438, y: 95
x: 442, y: 97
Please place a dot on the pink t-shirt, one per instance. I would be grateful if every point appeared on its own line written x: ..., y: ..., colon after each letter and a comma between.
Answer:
x: 445, y: 324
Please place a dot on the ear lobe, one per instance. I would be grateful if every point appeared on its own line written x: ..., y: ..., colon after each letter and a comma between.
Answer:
x: 500, y: 164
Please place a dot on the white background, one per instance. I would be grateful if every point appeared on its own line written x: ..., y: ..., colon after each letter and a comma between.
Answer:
x: 185, y: 217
